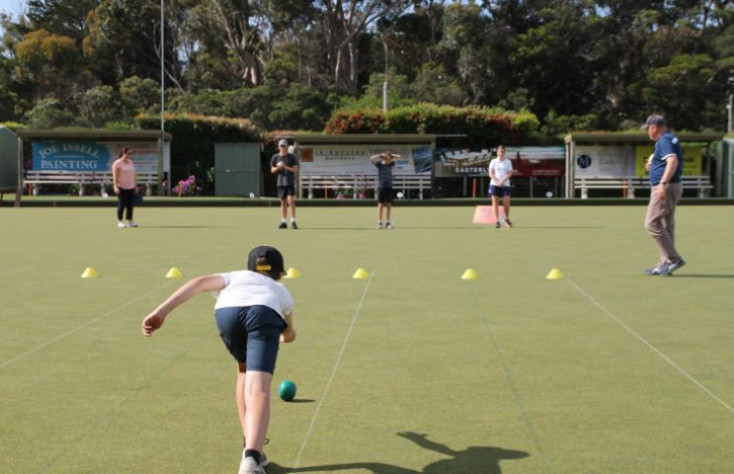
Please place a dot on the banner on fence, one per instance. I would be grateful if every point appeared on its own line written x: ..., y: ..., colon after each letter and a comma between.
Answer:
x: 693, y: 158
x: 354, y: 160
x: 540, y: 161
x: 604, y: 161
x: 90, y: 156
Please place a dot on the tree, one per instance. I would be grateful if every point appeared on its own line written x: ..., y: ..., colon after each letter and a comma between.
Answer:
x: 682, y: 90
x: 98, y: 106
x: 139, y: 96
x: 52, y: 63
x: 343, y: 22
x: 124, y: 41
x: 62, y: 17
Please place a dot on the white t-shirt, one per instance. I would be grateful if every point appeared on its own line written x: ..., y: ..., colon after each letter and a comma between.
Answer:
x: 501, y: 169
x: 246, y: 288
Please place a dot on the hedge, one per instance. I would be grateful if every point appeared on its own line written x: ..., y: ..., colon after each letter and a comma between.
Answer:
x: 480, y: 125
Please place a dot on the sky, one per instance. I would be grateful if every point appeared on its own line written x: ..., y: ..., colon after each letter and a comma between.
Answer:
x: 13, y: 8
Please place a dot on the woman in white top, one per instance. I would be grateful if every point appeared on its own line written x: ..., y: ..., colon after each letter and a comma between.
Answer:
x: 500, y: 171
x: 254, y: 313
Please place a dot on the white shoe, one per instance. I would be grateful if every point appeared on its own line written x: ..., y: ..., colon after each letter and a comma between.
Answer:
x: 132, y: 224
x: 121, y: 225
x: 263, y: 458
x: 249, y: 466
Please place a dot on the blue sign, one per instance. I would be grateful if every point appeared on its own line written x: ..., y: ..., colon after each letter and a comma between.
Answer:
x: 584, y: 161
x: 71, y: 156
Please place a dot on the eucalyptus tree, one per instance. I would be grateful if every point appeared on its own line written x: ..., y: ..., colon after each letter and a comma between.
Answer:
x: 62, y: 17
x: 343, y: 21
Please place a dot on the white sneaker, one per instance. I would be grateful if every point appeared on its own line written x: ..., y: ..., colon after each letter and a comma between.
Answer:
x: 263, y: 458
x: 121, y: 225
x: 249, y: 466
x: 132, y: 224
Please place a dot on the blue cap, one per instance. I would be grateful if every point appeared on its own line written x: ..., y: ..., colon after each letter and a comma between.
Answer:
x: 283, y: 142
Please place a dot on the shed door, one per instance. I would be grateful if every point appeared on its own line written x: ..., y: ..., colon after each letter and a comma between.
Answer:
x: 8, y: 159
x: 237, y: 167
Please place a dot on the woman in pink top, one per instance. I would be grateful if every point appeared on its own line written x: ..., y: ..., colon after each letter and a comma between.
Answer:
x: 125, y: 185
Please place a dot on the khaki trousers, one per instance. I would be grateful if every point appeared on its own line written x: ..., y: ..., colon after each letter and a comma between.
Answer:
x: 660, y: 221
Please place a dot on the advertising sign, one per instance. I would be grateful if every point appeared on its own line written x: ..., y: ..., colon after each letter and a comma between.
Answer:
x: 91, y: 156
x: 693, y: 158
x: 604, y: 161
x: 541, y: 161
x: 354, y: 160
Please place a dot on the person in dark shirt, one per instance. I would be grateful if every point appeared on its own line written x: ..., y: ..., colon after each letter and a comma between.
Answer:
x: 665, y: 166
x: 285, y: 166
x: 384, y: 162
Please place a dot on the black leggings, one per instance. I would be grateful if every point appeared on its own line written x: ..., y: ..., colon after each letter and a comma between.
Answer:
x: 125, y: 200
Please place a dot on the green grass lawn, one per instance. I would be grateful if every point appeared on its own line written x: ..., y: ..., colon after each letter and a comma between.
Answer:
x: 411, y: 370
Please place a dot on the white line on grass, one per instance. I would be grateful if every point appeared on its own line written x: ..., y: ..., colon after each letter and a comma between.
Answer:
x: 651, y: 347
x: 72, y: 331
x: 92, y: 427
x: 333, y: 374
x: 510, y: 381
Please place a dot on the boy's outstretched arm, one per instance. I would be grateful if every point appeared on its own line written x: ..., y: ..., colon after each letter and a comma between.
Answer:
x: 188, y: 290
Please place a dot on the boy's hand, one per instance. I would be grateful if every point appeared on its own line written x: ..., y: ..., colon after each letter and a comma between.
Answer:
x: 152, y: 323
x: 289, y: 335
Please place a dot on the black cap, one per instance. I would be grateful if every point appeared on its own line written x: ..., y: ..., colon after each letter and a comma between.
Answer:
x: 653, y: 119
x: 270, y: 258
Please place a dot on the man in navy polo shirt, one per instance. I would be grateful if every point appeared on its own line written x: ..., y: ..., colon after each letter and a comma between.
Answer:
x: 665, y: 166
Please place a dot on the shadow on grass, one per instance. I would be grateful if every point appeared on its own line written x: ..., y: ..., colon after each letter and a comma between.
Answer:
x: 180, y: 227
x: 704, y: 276
x: 438, y: 227
x: 474, y: 459
x: 475, y: 228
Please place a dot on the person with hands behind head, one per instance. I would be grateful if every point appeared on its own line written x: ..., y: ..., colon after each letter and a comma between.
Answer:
x: 384, y: 162
x: 125, y: 185
x: 254, y: 314
x: 500, y: 172
x: 285, y: 165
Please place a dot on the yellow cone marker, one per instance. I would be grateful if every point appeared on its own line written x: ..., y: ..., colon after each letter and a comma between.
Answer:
x: 554, y: 274
x: 174, y: 273
x: 360, y: 274
x: 292, y: 273
x: 469, y: 274
x: 90, y: 272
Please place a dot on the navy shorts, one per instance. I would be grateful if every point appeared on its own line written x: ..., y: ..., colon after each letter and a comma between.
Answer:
x: 251, y: 334
x: 285, y: 191
x: 384, y: 195
x: 499, y: 191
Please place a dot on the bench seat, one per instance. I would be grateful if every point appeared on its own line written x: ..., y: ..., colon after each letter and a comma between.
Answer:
x: 629, y: 184
x: 35, y: 179
x: 357, y: 184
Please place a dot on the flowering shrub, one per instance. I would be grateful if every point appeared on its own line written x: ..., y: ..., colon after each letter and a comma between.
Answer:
x: 187, y: 187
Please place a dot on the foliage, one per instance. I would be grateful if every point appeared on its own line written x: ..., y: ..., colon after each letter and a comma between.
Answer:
x: 99, y: 105
x: 49, y: 113
x: 365, y: 121
x: 139, y: 95
x: 194, y: 137
x: 479, y: 124
x: 186, y: 187
x: 559, y: 125
x: 288, y: 64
